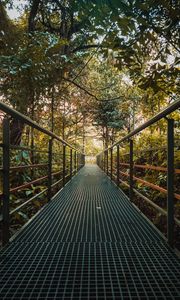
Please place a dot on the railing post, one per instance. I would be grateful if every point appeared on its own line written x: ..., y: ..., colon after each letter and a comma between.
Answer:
x: 70, y: 163
x: 104, y: 161
x: 64, y: 164
x: 111, y: 155
x: 81, y: 159
x: 50, y: 169
x: 170, y: 181
x: 99, y: 161
x: 75, y: 162
x: 77, y: 159
x: 131, y: 171
x: 117, y: 167
x: 6, y: 184
x: 32, y: 152
x: 107, y: 167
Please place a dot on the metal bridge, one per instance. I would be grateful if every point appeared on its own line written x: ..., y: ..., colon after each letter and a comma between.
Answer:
x: 89, y: 241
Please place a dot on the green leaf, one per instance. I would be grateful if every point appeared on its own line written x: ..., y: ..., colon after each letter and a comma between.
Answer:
x: 23, y: 215
x: 13, y: 72
x: 29, y: 192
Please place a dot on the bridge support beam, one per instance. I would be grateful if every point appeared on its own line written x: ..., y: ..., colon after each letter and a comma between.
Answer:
x: 170, y: 181
x: 50, y: 170
x: 75, y: 162
x: 6, y: 181
x: 104, y: 161
x: 107, y: 163
x: 111, y: 157
x: 70, y: 163
x: 117, y: 167
x: 64, y: 164
x: 131, y: 170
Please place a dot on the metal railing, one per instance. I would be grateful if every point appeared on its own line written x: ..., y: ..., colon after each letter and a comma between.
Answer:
x: 68, y: 156
x: 107, y: 159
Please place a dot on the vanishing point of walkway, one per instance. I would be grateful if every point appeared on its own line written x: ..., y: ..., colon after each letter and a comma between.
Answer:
x: 89, y: 242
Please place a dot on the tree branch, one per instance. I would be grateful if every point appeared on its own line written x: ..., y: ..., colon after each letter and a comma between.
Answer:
x: 32, y: 15
x: 86, y: 47
x: 90, y: 94
x: 80, y: 87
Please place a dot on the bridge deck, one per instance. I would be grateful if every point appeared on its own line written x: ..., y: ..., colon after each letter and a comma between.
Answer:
x: 89, y: 243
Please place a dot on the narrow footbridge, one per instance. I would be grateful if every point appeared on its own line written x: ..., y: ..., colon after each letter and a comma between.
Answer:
x: 88, y: 240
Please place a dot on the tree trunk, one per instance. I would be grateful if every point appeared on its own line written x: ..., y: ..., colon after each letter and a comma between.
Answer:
x: 16, y: 130
x: 32, y: 15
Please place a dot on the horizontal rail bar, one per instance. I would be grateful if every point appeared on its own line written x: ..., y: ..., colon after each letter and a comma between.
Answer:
x: 14, y: 147
x: 18, y: 188
x: 56, y: 173
x: 26, y: 167
x: 24, y: 119
x: 150, y: 167
x: 36, y: 196
x: 172, y: 107
x: 147, y: 150
x: 57, y: 182
x: 60, y: 154
x: 26, y: 202
x: 157, y: 207
x: 153, y: 186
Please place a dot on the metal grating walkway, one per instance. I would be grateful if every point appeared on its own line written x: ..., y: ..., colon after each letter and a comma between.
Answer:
x: 89, y: 243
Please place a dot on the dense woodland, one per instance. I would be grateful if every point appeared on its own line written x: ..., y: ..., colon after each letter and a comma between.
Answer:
x: 92, y: 71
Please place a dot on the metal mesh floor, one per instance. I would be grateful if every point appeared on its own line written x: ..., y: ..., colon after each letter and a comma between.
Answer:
x: 89, y: 243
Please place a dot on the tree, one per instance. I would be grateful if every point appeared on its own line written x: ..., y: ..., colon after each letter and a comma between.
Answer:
x: 53, y: 42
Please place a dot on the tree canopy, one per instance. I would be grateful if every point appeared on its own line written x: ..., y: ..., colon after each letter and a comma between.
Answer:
x: 112, y: 62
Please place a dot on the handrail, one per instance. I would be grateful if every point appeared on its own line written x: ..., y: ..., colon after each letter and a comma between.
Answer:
x: 151, y: 185
x: 105, y: 161
x: 162, y: 114
x: 24, y: 119
x: 158, y: 208
x: 150, y: 167
x: 71, y: 160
